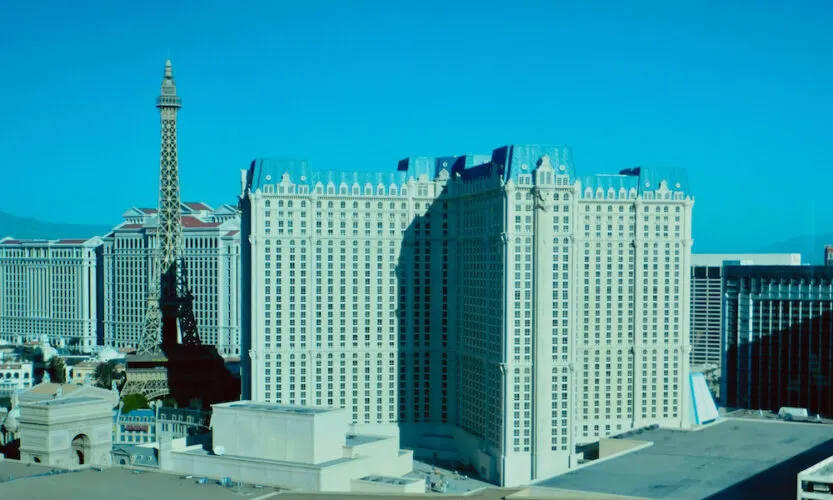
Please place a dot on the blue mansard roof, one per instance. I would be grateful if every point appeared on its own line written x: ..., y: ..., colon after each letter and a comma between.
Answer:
x: 270, y: 171
x: 650, y: 178
x: 519, y: 159
x: 609, y: 181
x: 432, y: 166
x: 509, y: 161
x: 641, y: 179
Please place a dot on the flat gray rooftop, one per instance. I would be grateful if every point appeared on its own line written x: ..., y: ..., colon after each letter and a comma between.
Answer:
x: 735, y: 458
x: 360, y: 439
x: 124, y: 484
x: 301, y: 410
x: 68, y: 401
x: 112, y: 483
x: 389, y: 480
x: 225, y: 457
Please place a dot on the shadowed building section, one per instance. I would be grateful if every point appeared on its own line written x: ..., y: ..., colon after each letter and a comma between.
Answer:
x: 778, y: 332
x: 195, y: 371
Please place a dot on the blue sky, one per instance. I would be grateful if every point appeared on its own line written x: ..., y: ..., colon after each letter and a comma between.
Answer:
x: 741, y: 95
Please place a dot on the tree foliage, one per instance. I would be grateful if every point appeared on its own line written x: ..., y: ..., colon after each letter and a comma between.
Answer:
x: 56, y: 368
x: 133, y: 402
x: 105, y: 373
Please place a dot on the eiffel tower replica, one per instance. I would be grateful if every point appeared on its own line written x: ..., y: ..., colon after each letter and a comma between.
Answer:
x: 170, y: 359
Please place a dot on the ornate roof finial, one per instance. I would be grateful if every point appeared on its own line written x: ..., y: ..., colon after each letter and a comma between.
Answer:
x: 545, y: 161
x: 168, y: 84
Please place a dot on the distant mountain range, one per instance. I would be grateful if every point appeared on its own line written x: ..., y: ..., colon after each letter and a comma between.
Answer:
x: 810, y: 246
x: 25, y: 227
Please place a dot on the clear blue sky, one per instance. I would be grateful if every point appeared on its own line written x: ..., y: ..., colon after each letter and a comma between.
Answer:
x: 741, y: 95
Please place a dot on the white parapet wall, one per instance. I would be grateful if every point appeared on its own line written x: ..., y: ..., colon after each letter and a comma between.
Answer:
x: 299, y: 447
x: 303, y: 434
x: 816, y: 482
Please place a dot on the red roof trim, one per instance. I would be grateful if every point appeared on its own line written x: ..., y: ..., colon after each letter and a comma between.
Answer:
x: 232, y: 233
x: 132, y: 226
x: 193, y: 222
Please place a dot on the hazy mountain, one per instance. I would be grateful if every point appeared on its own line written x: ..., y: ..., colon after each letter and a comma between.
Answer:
x: 810, y: 246
x: 25, y: 227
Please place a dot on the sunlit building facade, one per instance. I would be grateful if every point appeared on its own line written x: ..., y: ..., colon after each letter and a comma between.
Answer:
x: 50, y: 290
x: 211, y: 248
x: 498, y: 309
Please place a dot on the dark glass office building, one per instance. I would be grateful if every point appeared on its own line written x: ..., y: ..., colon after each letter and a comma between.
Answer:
x: 778, y: 337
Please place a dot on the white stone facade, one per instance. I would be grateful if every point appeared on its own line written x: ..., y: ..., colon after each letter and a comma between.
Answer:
x: 212, y: 252
x: 66, y: 426
x: 310, y: 448
x: 499, y: 309
x: 50, y: 289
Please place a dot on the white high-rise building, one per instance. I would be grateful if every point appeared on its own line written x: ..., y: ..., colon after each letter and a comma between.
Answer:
x: 211, y: 248
x: 50, y: 289
x: 498, y: 309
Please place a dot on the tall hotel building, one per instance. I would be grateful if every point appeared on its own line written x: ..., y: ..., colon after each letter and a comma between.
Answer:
x: 51, y: 289
x: 497, y: 310
x: 211, y: 248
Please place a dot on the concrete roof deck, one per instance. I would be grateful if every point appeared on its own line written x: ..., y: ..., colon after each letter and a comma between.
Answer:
x: 360, y: 439
x: 115, y: 482
x: 125, y: 484
x: 322, y: 465
x: 735, y: 458
x: 82, y: 400
x: 271, y: 407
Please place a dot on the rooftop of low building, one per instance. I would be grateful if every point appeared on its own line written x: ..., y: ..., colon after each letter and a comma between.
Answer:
x: 733, y: 458
x: 18, y: 480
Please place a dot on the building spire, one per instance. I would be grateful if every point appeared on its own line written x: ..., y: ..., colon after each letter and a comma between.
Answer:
x: 168, y: 84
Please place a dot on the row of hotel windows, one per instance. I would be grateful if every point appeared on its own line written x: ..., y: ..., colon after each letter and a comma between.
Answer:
x: 69, y: 256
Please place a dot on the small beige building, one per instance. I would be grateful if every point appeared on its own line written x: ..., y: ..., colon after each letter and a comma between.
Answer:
x: 310, y: 448
x: 14, y: 376
x: 66, y: 425
x: 84, y: 372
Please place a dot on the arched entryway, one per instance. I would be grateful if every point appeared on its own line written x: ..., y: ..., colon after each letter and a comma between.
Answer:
x: 80, y: 449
